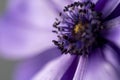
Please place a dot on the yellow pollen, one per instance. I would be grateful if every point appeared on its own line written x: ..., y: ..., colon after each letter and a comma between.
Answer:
x: 78, y: 28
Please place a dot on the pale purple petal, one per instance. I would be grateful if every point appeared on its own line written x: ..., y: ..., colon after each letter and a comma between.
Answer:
x: 25, y: 28
x: 78, y: 0
x: 113, y: 31
x: 99, y: 69
x: 95, y: 1
x: 38, y: 12
x: 81, y: 68
x: 55, y: 69
x: 20, y: 40
x: 58, y: 5
x: 102, y: 72
x: 27, y: 68
x: 34, y: 12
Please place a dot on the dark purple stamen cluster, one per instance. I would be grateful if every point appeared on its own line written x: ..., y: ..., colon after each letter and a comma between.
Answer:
x: 78, y: 28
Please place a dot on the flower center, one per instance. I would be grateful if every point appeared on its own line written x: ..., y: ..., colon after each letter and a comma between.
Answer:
x: 78, y: 28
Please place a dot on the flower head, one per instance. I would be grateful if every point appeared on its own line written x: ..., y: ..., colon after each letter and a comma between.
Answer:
x: 79, y: 29
x: 84, y: 30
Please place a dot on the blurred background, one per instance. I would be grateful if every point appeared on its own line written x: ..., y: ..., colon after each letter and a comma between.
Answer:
x: 6, y: 66
x: 6, y: 69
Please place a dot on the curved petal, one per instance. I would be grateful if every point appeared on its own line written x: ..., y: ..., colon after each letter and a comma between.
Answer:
x: 114, y: 14
x: 99, y: 69
x: 79, y: 74
x: 27, y: 68
x: 35, y: 12
x: 107, y: 6
x: 55, y: 69
x: 113, y: 32
x: 69, y: 74
x: 19, y: 40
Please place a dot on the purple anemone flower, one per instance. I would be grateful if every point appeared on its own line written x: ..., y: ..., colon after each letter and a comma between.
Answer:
x: 85, y: 35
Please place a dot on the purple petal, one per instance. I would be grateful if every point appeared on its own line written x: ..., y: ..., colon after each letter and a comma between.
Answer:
x: 58, y: 5
x: 79, y: 74
x: 113, y: 32
x: 20, y: 40
x: 114, y: 14
x: 25, y: 27
x: 77, y: 0
x: 112, y: 57
x: 27, y: 68
x: 69, y: 74
x: 95, y: 1
x: 34, y: 12
x: 100, y: 5
x: 55, y: 69
x: 107, y: 6
x: 99, y: 69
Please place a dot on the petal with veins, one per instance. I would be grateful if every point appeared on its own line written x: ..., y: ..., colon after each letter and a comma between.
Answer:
x: 55, y: 69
